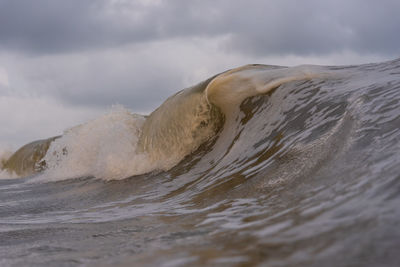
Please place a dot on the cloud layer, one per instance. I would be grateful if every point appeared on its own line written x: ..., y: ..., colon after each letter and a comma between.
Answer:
x: 255, y: 26
x: 85, y: 55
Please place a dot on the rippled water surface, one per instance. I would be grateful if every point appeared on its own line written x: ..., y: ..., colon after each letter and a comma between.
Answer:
x: 307, y: 174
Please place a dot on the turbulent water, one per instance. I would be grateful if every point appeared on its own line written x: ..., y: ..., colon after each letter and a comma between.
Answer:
x: 257, y: 166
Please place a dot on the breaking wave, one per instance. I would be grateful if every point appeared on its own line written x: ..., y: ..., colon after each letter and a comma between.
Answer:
x: 259, y: 165
x: 121, y: 144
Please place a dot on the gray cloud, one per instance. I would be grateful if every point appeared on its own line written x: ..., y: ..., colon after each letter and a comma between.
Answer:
x: 256, y: 27
x: 139, y: 77
x: 141, y: 90
x: 47, y: 25
x: 74, y: 58
x: 54, y: 26
x: 319, y: 27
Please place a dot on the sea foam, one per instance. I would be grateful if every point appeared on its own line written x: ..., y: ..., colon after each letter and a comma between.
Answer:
x: 104, y: 148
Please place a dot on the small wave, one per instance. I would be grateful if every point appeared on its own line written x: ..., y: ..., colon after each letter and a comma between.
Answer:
x: 4, y: 157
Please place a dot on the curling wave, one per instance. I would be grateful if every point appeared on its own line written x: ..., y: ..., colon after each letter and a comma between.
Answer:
x: 256, y: 166
x: 120, y: 144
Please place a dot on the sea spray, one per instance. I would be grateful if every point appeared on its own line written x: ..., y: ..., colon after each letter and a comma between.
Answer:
x: 104, y: 148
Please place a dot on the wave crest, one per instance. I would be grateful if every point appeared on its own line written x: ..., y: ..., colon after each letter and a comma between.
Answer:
x: 121, y: 144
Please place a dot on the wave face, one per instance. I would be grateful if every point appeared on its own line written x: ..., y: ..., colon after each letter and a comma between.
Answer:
x: 259, y: 165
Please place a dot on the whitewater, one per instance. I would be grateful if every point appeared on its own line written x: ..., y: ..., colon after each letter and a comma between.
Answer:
x: 257, y: 166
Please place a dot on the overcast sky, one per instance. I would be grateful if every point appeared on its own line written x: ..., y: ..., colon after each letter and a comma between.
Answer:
x: 63, y: 62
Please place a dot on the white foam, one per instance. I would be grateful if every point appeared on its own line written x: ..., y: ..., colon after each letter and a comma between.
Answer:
x: 104, y: 148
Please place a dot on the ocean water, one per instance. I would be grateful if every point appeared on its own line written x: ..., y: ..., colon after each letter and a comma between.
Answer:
x: 257, y: 166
